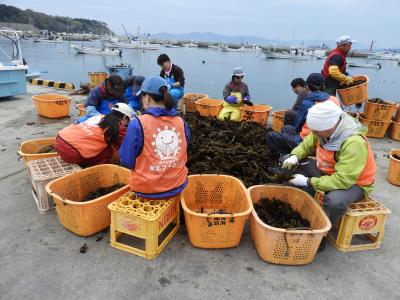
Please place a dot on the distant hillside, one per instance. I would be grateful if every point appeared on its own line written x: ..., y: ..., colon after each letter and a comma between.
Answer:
x: 11, y: 14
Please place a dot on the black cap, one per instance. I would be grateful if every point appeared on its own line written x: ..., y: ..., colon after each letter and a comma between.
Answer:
x: 315, y: 79
x: 116, y: 85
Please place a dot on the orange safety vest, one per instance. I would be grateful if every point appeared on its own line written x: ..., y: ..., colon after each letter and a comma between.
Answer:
x: 161, y: 165
x: 305, y: 130
x: 326, y: 162
x: 86, y: 137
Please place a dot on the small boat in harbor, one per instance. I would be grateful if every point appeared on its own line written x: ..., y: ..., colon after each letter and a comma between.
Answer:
x: 133, y: 44
x: 49, y: 40
x: 365, y: 65
x: 385, y: 55
x: 98, y: 51
x: 191, y: 45
x: 167, y: 45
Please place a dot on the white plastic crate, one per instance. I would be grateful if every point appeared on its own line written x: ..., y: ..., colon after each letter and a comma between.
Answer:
x: 41, y: 172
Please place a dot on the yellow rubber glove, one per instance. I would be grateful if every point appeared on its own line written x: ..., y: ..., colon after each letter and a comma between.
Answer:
x: 349, y: 80
x: 335, y: 73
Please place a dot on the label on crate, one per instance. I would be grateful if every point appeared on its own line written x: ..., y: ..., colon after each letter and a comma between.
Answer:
x: 367, y: 222
x: 129, y: 224
x: 167, y: 216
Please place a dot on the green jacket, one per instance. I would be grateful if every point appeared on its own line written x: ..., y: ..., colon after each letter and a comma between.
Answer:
x: 350, y: 161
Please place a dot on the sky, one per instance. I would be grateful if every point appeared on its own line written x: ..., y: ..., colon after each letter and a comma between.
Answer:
x: 364, y: 20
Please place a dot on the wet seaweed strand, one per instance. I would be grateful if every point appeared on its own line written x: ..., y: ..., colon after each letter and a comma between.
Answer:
x: 230, y: 148
x: 280, y: 214
x: 102, y: 191
x: 355, y: 83
x: 46, y: 149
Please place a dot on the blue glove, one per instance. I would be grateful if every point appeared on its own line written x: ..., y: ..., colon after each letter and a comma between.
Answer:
x: 91, y: 111
x: 246, y: 98
x: 231, y: 99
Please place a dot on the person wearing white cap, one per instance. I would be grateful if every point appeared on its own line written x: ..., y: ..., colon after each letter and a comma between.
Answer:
x: 334, y: 69
x: 345, y: 166
x: 92, y: 141
x: 236, y: 93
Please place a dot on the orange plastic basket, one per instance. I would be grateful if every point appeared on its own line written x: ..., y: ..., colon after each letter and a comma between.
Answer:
x: 257, y: 113
x: 288, y: 246
x: 216, y: 208
x: 277, y: 120
x: 394, y: 168
x: 96, y: 78
x: 355, y: 94
x: 29, y: 149
x: 394, y: 131
x: 87, y: 218
x: 52, y: 105
x: 381, y: 112
x: 81, y: 108
x: 190, y: 101
x: 209, y: 107
x: 397, y: 115
x: 376, y: 129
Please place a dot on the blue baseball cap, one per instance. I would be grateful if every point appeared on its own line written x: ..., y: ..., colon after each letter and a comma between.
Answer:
x: 152, y: 85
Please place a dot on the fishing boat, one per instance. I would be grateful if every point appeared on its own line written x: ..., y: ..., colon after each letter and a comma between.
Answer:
x: 365, y: 65
x: 385, y: 55
x: 49, y: 40
x: 166, y: 45
x: 226, y: 48
x: 98, y: 51
x: 133, y: 44
x: 190, y: 45
x: 285, y: 55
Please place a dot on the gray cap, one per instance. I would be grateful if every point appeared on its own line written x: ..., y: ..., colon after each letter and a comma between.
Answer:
x: 238, y: 72
x: 345, y: 39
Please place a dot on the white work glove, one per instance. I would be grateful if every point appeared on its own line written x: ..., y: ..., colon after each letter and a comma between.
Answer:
x: 290, y: 162
x: 299, y: 180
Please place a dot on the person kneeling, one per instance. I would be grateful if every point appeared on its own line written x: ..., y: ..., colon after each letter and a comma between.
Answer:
x: 155, y: 146
x: 345, y: 166
x: 91, y: 142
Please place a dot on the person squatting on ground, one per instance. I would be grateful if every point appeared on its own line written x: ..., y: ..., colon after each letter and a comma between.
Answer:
x: 236, y: 93
x: 174, y: 76
x: 281, y: 143
x: 102, y: 97
x: 155, y: 146
x: 345, y: 167
x: 91, y: 142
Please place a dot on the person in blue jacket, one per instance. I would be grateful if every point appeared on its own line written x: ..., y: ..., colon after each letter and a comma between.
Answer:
x: 173, y: 74
x: 134, y: 153
x: 102, y: 97
x: 282, y: 143
x: 132, y: 90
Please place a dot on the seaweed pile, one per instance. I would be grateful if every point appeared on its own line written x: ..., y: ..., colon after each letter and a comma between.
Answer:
x: 280, y: 214
x: 354, y: 83
x: 102, y: 191
x: 379, y: 101
x: 46, y: 149
x: 230, y: 148
x: 396, y: 156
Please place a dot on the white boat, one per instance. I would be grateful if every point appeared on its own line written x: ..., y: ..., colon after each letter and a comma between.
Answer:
x: 171, y: 45
x: 55, y: 40
x: 385, y: 55
x: 285, y: 55
x: 98, y: 51
x: 133, y: 44
x: 190, y: 45
x: 365, y: 65
x: 226, y: 48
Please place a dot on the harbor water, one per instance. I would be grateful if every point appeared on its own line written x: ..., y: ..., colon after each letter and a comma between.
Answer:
x: 206, y: 70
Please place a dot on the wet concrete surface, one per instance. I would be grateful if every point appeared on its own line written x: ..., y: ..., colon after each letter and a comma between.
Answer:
x: 39, y: 259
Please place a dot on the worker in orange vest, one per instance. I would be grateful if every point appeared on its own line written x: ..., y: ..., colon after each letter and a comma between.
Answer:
x: 91, y: 142
x: 155, y: 146
x: 345, y: 166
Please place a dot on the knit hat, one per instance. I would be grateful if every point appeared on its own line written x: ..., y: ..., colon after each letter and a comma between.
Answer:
x: 323, y: 116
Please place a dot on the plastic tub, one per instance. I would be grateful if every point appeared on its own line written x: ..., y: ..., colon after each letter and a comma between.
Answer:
x: 376, y: 129
x: 216, y: 208
x: 258, y: 113
x: 90, y: 217
x: 355, y: 94
x: 29, y: 149
x: 394, y: 131
x: 209, y: 107
x: 278, y: 120
x: 288, y: 246
x: 381, y: 112
x: 52, y: 105
x: 394, y: 168
x: 190, y: 101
